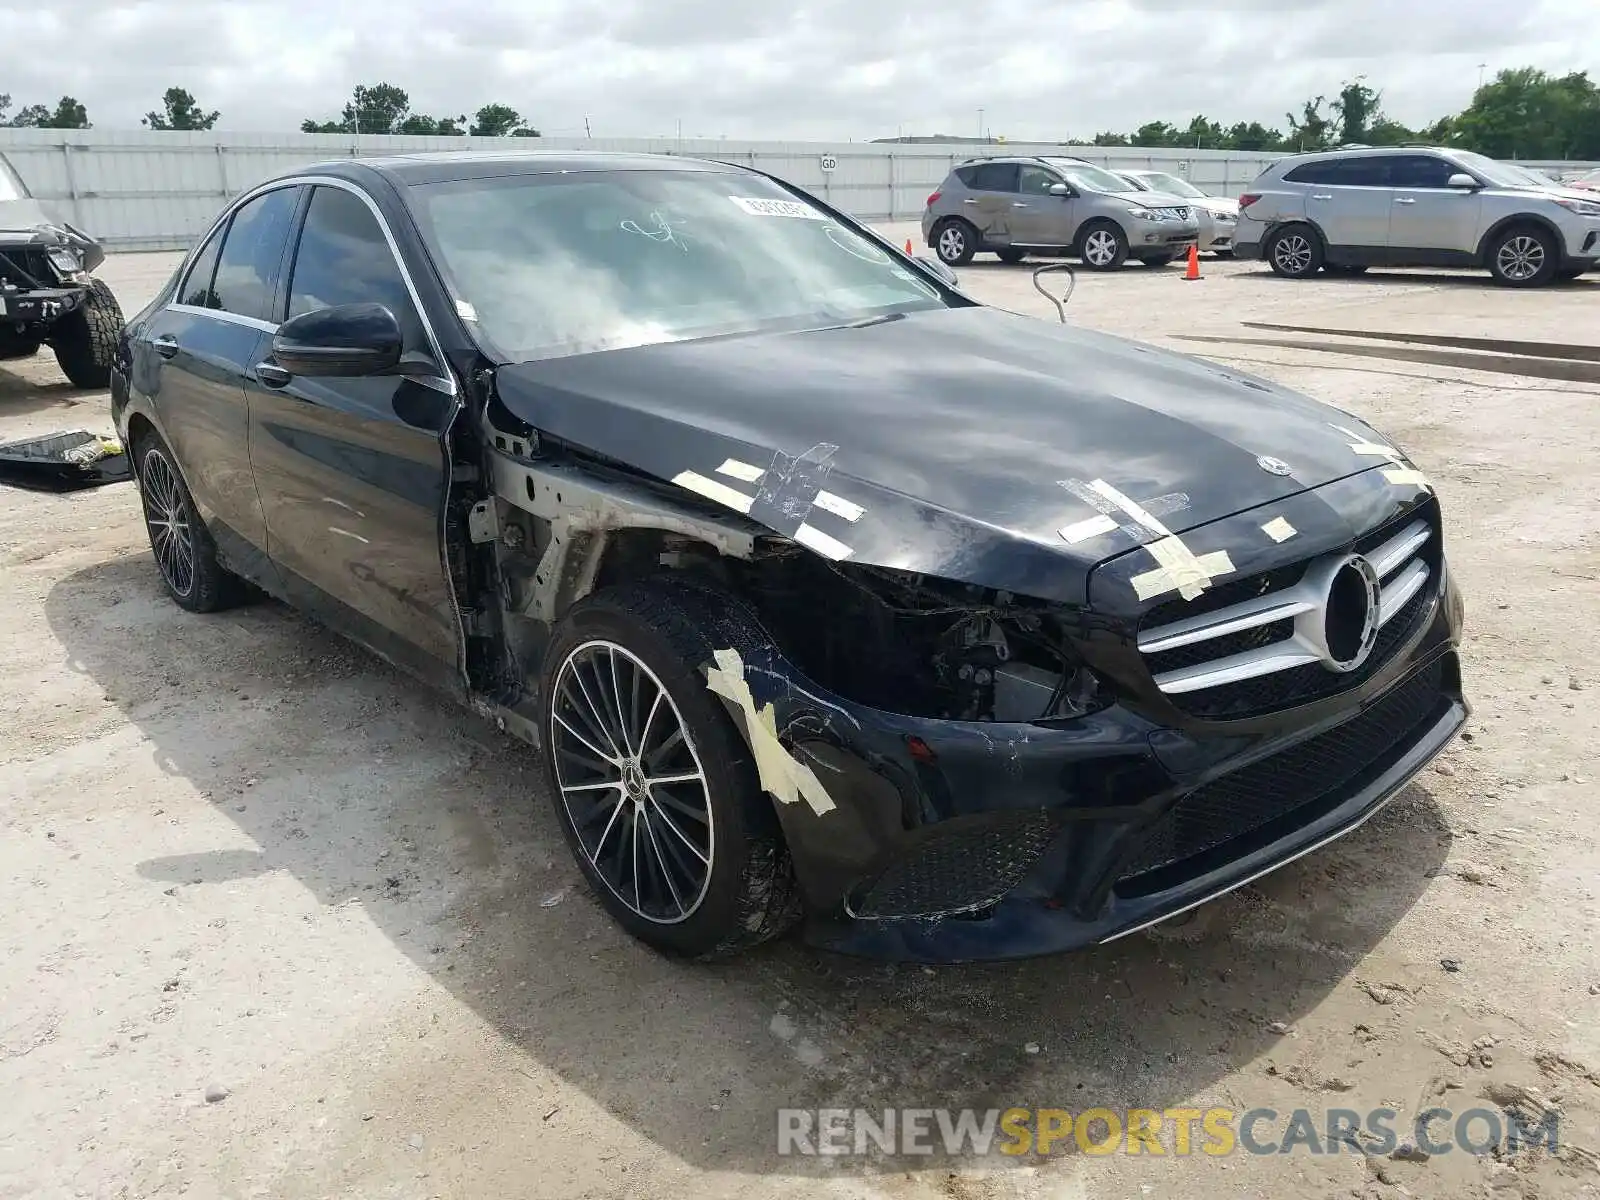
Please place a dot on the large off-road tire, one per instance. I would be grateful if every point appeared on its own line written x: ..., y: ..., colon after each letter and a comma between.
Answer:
x: 1103, y: 246
x: 1295, y: 252
x: 184, y: 552
x: 654, y: 786
x: 955, y: 242
x: 86, y: 340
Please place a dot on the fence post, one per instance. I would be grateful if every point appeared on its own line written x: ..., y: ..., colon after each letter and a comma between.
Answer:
x: 891, y: 185
x: 72, y: 184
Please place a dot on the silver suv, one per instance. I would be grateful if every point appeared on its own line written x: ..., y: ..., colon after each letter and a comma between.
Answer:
x: 1417, y: 206
x: 1018, y: 206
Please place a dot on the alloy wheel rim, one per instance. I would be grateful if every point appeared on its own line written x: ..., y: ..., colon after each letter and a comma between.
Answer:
x: 1521, y: 257
x: 1292, y: 253
x: 1100, y: 247
x: 951, y: 242
x: 167, y: 518
x: 631, y: 781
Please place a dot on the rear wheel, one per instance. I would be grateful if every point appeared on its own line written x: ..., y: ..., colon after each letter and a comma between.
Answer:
x: 1010, y: 256
x: 955, y: 242
x: 85, y: 340
x: 1103, y: 246
x: 1523, y: 256
x: 653, y: 784
x: 184, y: 552
x: 1295, y: 252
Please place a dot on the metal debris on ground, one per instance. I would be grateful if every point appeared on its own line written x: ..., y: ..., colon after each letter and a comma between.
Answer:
x: 64, y: 462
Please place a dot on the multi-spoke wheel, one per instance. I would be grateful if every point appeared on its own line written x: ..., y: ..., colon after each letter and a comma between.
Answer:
x: 184, y: 552
x: 1103, y: 246
x: 1295, y: 252
x: 652, y: 781
x: 1524, y: 256
x: 955, y: 242
x: 631, y: 780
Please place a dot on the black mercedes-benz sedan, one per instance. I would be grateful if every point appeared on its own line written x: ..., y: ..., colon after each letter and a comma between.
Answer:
x: 830, y: 594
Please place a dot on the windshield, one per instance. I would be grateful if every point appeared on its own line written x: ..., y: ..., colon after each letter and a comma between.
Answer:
x: 1090, y: 179
x: 558, y: 264
x: 1498, y: 174
x: 10, y: 184
x: 1171, y: 184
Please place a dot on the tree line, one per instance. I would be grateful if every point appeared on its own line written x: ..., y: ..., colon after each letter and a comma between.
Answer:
x: 1522, y: 113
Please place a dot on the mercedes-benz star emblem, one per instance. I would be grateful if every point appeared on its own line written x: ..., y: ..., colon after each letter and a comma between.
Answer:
x: 1273, y: 466
x: 1350, y: 614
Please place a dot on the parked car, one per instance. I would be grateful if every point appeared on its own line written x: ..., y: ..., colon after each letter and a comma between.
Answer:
x: 1217, y: 215
x: 1345, y: 211
x: 1589, y: 182
x: 1013, y: 207
x: 47, y: 295
x: 825, y: 589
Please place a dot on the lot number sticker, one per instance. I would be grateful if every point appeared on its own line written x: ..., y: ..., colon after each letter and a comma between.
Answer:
x: 760, y: 207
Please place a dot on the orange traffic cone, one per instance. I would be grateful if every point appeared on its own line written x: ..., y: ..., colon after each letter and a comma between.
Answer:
x: 910, y: 253
x: 1193, y: 270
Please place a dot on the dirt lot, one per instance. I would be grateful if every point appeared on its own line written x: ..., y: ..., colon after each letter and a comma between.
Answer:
x: 239, y: 855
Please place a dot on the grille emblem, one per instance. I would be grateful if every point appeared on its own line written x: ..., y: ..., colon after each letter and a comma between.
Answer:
x: 1273, y: 466
x: 1350, y: 615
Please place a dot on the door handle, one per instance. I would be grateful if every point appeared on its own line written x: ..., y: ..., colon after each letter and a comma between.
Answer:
x: 166, y: 345
x: 970, y: 200
x: 1019, y: 204
x: 272, y: 375
x: 1404, y: 200
x: 1322, y: 195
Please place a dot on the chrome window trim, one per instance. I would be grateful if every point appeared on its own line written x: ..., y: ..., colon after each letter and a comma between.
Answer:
x: 445, y: 382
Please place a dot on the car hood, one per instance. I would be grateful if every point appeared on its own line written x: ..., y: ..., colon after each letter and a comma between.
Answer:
x: 22, y: 216
x: 958, y: 443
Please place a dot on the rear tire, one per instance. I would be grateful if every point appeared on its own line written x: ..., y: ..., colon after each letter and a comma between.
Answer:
x: 1294, y: 252
x: 724, y: 881
x: 1523, y: 256
x: 86, y: 340
x: 185, y: 555
x: 955, y: 242
x: 1011, y: 257
x: 1103, y: 246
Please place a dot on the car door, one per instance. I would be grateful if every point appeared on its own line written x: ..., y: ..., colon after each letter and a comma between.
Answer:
x: 994, y: 189
x: 191, y: 360
x: 1349, y: 199
x: 1429, y: 216
x: 353, y: 471
x: 1038, y: 218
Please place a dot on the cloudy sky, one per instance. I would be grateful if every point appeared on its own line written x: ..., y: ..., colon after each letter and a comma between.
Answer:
x: 825, y: 69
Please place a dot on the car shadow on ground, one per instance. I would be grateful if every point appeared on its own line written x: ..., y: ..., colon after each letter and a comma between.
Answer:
x: 359, y: 783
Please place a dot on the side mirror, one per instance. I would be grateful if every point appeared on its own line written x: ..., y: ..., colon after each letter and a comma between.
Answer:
x: 938, y: 268
x: 345, y: 340
x: 1060, y: 189
x: 1461, y: 180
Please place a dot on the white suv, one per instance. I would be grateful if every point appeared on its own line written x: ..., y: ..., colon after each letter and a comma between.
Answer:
x: 1346, y: 210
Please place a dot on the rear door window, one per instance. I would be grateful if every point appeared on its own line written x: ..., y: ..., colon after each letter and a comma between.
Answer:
x: 247, y: 271
x: 1343, y: 172
x: 196, y: 289
x: 994, y: 177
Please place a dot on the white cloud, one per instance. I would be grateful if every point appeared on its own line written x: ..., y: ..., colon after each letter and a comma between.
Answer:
x: 819, y: 68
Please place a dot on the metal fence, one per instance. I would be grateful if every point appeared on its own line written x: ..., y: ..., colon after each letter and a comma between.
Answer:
x: 144, y: 190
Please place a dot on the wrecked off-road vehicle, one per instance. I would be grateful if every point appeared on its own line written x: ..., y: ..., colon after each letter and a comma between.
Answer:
x: 47, y: 295
x: 826, y: 590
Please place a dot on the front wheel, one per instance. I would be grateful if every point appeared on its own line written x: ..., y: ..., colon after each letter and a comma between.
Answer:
x: 654, y: 786
x: 1103, y: 246
x: 1295, y: 252
x: 955, y: 242
x: 1524, y: 256
x: 85, y: 340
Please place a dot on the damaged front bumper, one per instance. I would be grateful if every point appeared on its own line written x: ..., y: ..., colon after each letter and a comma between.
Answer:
x: 935, y: 840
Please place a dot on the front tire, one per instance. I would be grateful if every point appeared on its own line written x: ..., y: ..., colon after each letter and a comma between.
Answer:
x: 1295, y: 252
x: 654, y: 786
x: 1103, y: 246
x: 1523, y: 256
x: 955, y: 242
x: 184, y: 552
x: 86, y: 340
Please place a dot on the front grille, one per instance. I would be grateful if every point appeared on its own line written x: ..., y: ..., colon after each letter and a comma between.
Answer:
x: 1254, y: 646
x: 960, y: 865
x: 18, y: 263
x: 1289, y: 788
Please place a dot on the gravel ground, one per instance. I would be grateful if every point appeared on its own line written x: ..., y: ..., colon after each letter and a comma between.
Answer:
x: 280, y: 923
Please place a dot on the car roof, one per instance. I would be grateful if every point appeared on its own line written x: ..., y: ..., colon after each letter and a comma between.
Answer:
x: 1359, y: 152
x: 439, y: 166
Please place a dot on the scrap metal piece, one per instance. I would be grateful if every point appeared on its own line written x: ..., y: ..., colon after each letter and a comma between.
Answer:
x: 64, y: 462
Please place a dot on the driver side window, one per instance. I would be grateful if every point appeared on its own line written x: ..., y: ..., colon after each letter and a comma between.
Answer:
x: 1036, y: 181
x: 344, y: 258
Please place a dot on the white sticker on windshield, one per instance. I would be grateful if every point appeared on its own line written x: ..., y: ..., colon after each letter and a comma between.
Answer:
x: 758, y: 206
